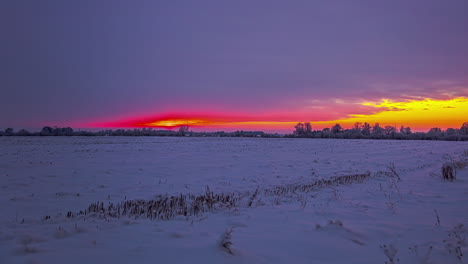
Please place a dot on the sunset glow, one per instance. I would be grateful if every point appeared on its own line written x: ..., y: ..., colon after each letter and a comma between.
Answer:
x: 175, y: 123
x: 420, y: 115
x: 194, y: 131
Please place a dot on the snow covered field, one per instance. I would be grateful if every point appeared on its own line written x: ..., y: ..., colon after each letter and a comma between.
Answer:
x: 417, y: 219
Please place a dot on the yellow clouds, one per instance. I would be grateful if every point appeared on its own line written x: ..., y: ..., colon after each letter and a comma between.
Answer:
x: 418, y: 114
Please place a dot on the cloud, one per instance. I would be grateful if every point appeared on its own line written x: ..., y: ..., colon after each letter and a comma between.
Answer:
x: 215, y: 59
x: 420, y: 114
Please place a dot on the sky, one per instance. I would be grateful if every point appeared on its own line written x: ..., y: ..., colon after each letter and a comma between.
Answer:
x: 229, y: 65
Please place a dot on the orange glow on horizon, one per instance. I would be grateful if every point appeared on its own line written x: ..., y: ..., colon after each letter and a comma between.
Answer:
x: 206, y: 123
x: 175, y: 123
x: 420, y: 115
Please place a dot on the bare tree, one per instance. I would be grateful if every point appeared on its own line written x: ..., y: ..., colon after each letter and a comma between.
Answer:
x: 390, y: 131
x: 308, y: 128
x: 464, y: 129
x: 451, y: 131
x: 377, y: 130
x: 9, y: 131
x: 435, y: 130
x: 300, y: 129
x: 366, y: 129
x: 183, y: 129
x: 405, y: 130
x: 357, y: 126
x: 23, y: 132
x: 336, y: 129
x: 46, y: 131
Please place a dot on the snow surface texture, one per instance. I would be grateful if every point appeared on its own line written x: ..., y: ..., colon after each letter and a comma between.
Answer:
x: 404, y: 212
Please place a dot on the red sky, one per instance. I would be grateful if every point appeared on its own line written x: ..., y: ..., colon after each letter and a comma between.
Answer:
x: 256, y: 65
x: 421, y: 115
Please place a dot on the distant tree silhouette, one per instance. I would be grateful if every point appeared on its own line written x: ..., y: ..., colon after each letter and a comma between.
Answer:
x: 46, y: 131
x: 366, y: 129
x: 183, y: 130
x: 325, y: 133
x: 451, y: 131
x: 23, y: 132
x: 300, y: 129
x: 357, y: 126
x: 308, y: 129
x: 389, y: 131
x: 464, y: 129
x: 435, y: 130
x: 66, y: 131
x: 377, y: 130
x: 405, y: 130
x: 303, y: 129
x: 9, y: 131
x: 336, y: 129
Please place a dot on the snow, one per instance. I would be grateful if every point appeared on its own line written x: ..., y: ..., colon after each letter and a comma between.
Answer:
x: 376, y: 221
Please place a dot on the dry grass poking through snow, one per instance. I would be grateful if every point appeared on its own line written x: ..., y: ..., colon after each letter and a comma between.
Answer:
x: 168, y: 207
x: 391, y: 252
x: 316, y: 185
x: 163, y: 208
x: 226, y: 241
x: 449, y: 170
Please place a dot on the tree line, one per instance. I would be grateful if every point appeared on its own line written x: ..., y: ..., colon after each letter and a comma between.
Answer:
x: 182, y: 131
x: 301, y: 130
x: 376, y: 131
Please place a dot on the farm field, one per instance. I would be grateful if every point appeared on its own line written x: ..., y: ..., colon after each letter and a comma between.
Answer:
x: 282, y: 200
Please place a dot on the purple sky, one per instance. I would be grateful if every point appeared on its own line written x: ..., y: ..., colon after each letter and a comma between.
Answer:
x: 69, y: 62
